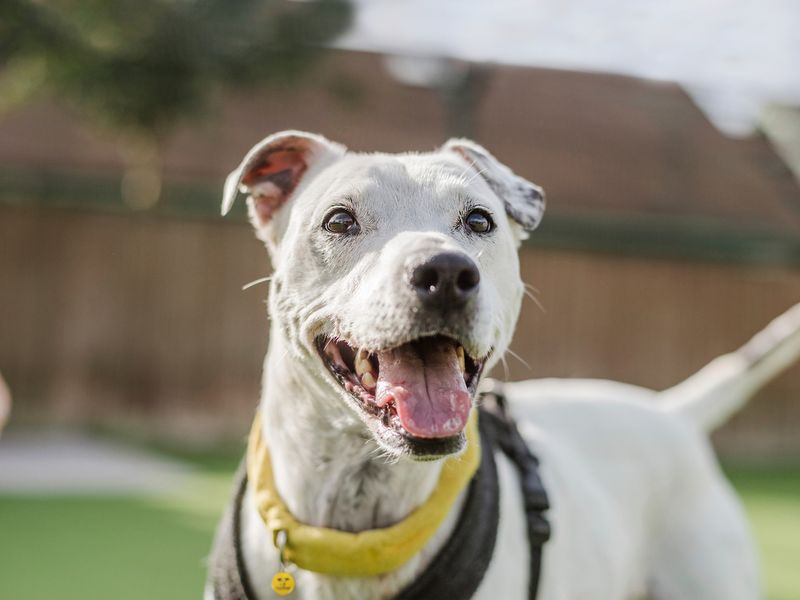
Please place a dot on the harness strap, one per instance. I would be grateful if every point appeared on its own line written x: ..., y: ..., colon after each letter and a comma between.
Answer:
x: 227, y: 575
x: 458, y: 568
x: 494, y: 407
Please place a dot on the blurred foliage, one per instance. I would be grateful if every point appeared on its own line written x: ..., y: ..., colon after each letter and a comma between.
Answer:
x: 144, y: 64
x: 141, y: 66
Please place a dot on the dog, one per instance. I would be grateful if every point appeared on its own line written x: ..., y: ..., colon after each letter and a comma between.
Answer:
x: 396, y: 286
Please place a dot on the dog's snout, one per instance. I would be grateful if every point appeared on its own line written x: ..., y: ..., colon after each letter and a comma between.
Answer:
x: 445, y: 279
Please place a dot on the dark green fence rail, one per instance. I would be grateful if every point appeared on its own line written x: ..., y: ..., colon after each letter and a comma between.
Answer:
x: 646, y: 235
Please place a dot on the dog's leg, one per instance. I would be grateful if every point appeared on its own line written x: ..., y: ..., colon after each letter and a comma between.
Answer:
x: 705, y: 550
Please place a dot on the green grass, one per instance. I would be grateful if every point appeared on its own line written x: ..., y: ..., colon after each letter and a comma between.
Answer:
x: 772, y: 499
x: 86, y: 548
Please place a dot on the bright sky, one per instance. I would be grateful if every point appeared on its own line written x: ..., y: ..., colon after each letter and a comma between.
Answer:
x: 732, y: 56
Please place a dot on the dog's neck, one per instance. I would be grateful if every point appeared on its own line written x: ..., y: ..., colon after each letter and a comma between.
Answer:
x: 330, y: 473
x: 327, y: 468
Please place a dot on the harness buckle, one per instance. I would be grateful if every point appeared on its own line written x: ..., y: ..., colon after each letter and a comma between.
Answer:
x: 539, y: 530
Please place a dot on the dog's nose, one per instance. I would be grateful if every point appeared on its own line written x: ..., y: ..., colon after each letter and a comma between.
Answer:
x: 445, y: 279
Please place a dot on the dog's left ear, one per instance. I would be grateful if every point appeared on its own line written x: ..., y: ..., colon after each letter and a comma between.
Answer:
x: 524, y: 201
x: 271, y: 173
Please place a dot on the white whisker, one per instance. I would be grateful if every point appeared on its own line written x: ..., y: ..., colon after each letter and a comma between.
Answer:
x: 478, y: 174
x: 519, y: 358
x: 531, y: 292
x: 283, y: 356
x: 531, y: 287
x: 506, y: 373
x: 247, y: 286
x: 466, y: 172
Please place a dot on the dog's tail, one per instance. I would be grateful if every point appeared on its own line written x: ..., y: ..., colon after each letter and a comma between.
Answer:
x: 715, y: 393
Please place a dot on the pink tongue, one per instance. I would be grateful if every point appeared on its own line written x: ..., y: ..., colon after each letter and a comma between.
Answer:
x: 427, y: 387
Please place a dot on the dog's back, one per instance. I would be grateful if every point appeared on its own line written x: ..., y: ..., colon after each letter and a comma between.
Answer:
x: 640, y: 471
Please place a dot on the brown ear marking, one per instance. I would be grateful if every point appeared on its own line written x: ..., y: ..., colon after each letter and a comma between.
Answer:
x: 281, y: 166
x: 273, y: 169
x: 273, y: 178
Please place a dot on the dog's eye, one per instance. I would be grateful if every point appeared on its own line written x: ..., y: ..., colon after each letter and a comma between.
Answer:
x: 479, y: 222
x: 340, y: 221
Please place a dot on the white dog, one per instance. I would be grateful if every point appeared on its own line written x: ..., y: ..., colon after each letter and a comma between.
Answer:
x: 396, y: 284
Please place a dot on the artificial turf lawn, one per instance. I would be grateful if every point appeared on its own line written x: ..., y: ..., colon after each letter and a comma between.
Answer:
x: 772, y: 499
x: 86, y: 548
x: 104, y: 548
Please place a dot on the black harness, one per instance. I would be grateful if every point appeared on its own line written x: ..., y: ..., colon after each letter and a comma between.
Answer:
x: 460, y: 565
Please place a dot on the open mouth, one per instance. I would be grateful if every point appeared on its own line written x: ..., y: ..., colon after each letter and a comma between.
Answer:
x: 421, y: 390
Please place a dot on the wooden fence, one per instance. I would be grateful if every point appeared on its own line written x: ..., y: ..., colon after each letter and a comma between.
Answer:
x: 141, y: 321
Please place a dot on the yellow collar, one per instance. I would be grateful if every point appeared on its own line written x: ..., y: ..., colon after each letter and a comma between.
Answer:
x: 364, y: 553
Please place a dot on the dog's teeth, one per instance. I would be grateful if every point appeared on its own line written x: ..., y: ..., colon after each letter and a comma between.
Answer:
x: 368, y: 380
x: 362, y: 363
x: 460, y: 353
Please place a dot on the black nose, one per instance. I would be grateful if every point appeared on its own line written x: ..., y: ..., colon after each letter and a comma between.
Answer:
x: 445, y: 279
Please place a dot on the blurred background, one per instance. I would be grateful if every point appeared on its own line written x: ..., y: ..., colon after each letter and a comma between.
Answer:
x: 667, y: 139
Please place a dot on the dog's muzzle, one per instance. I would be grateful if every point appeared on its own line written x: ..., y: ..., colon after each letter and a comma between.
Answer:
x: 417, y: 384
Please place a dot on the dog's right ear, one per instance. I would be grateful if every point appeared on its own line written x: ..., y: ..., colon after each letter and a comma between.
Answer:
x: 523, y: 200
x: 272, y: 171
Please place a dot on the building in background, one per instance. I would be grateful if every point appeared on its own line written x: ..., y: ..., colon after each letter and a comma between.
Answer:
x: 665, y: 243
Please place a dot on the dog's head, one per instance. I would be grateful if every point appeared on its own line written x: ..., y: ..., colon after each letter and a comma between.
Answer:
x: 396, y: 278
